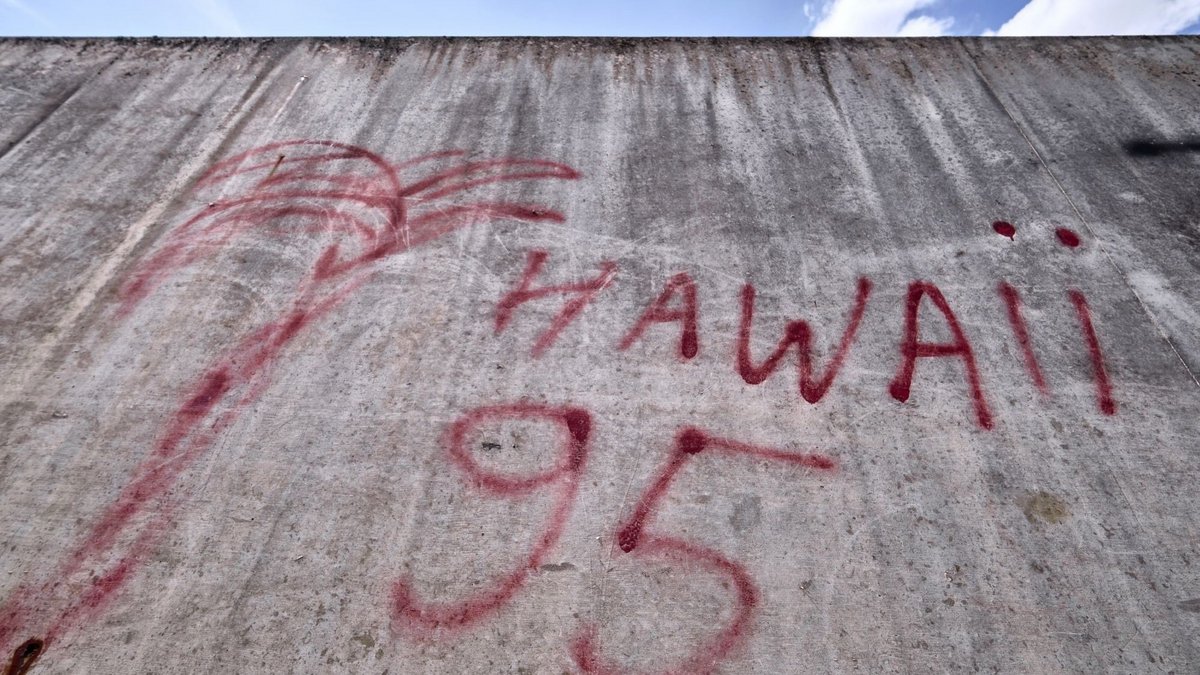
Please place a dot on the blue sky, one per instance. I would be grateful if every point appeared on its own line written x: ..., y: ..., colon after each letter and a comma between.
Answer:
x: 614, y: 17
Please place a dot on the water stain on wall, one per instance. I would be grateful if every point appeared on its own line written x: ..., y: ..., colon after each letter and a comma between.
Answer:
x: 1044, y: 507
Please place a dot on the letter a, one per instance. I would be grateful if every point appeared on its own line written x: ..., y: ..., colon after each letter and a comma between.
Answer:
x: 912, y: 348
x: 658, y: 312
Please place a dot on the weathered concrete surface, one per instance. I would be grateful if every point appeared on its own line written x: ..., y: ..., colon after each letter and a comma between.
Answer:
x: 226, y: 451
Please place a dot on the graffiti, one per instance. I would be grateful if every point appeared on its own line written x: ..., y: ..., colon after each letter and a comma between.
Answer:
x: 633, y: 538
x: 306, y: 186
x: 1005, y: 229
x: 685, y: 315
x: 1104, y: 390
x: 799, y: 334
x: 1067, y: 238
x: 363, y: 209
x: 811, y: 387
x: 912, y: 349
x: 584, y: 291
x: 424, y: 620
x: 1016, y: 320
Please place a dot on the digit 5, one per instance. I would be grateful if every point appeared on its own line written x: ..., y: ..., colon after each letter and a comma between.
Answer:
x: 633, y: 539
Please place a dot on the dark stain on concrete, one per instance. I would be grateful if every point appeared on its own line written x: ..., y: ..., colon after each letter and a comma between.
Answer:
x: 1156, y: 147
x: 1044, y: 507
x: 747, y: 513
x: 24, y: 657
x: 366, y: 639
x: 1192, y: 605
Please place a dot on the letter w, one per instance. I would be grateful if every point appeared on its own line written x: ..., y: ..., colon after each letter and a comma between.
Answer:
x: 799, y: 334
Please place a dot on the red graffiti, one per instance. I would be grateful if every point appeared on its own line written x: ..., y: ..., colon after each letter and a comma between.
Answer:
x: 912, y: 349
x: 375, y: 209
x: 1004, y: 229
x: 678, y: 303
x: 584, y: 291
x: 660, y: 312
x: 799, y: 334
x: 688, y: 443
x: 423, y: 619
x: 632, y: 538
x: 429, y: 620
x: 1012, y: 303
x: 1067, y: 237
x: 585, y: 647
x: 307, y: 186
x: 1104, y: 390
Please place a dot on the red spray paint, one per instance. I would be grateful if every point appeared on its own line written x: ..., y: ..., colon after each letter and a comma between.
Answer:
x: 633, y: 539
x: 1067, y: 237
x: 584, y: 292
x: 1104, y: 390
x: 704, y: 658
x: 660, y: 311
x: 316, y: 180
x: 1012, y: 303
x: 424, y: 619
x: 912, y: 349
x: 798, y: 333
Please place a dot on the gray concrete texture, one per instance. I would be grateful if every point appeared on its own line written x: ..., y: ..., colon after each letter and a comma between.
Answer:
x: 453, y: 355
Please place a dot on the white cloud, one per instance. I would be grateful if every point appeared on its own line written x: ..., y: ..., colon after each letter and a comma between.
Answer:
x: 852, y: 18
x: 1102, y: 17
x: 925, y: 26
x: 220, y: 16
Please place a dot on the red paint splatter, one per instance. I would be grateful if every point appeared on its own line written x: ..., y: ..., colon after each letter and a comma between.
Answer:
x: 424, y: 619
x: 798, y: 333
x: 1005, y: 229
x: 1067, y: 237
x: 632, y: 538
x: 1012, y: 302
x: 1104, y: 389
x: 912, y: 349
x: 317, y: 183
x: 660, y: 312
x: 584, y: 292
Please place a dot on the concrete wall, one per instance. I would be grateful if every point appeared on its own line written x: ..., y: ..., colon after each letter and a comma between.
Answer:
x: 455, y: 356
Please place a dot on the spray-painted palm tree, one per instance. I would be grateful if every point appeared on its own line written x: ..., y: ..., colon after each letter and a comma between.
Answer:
x: 304, y: 185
